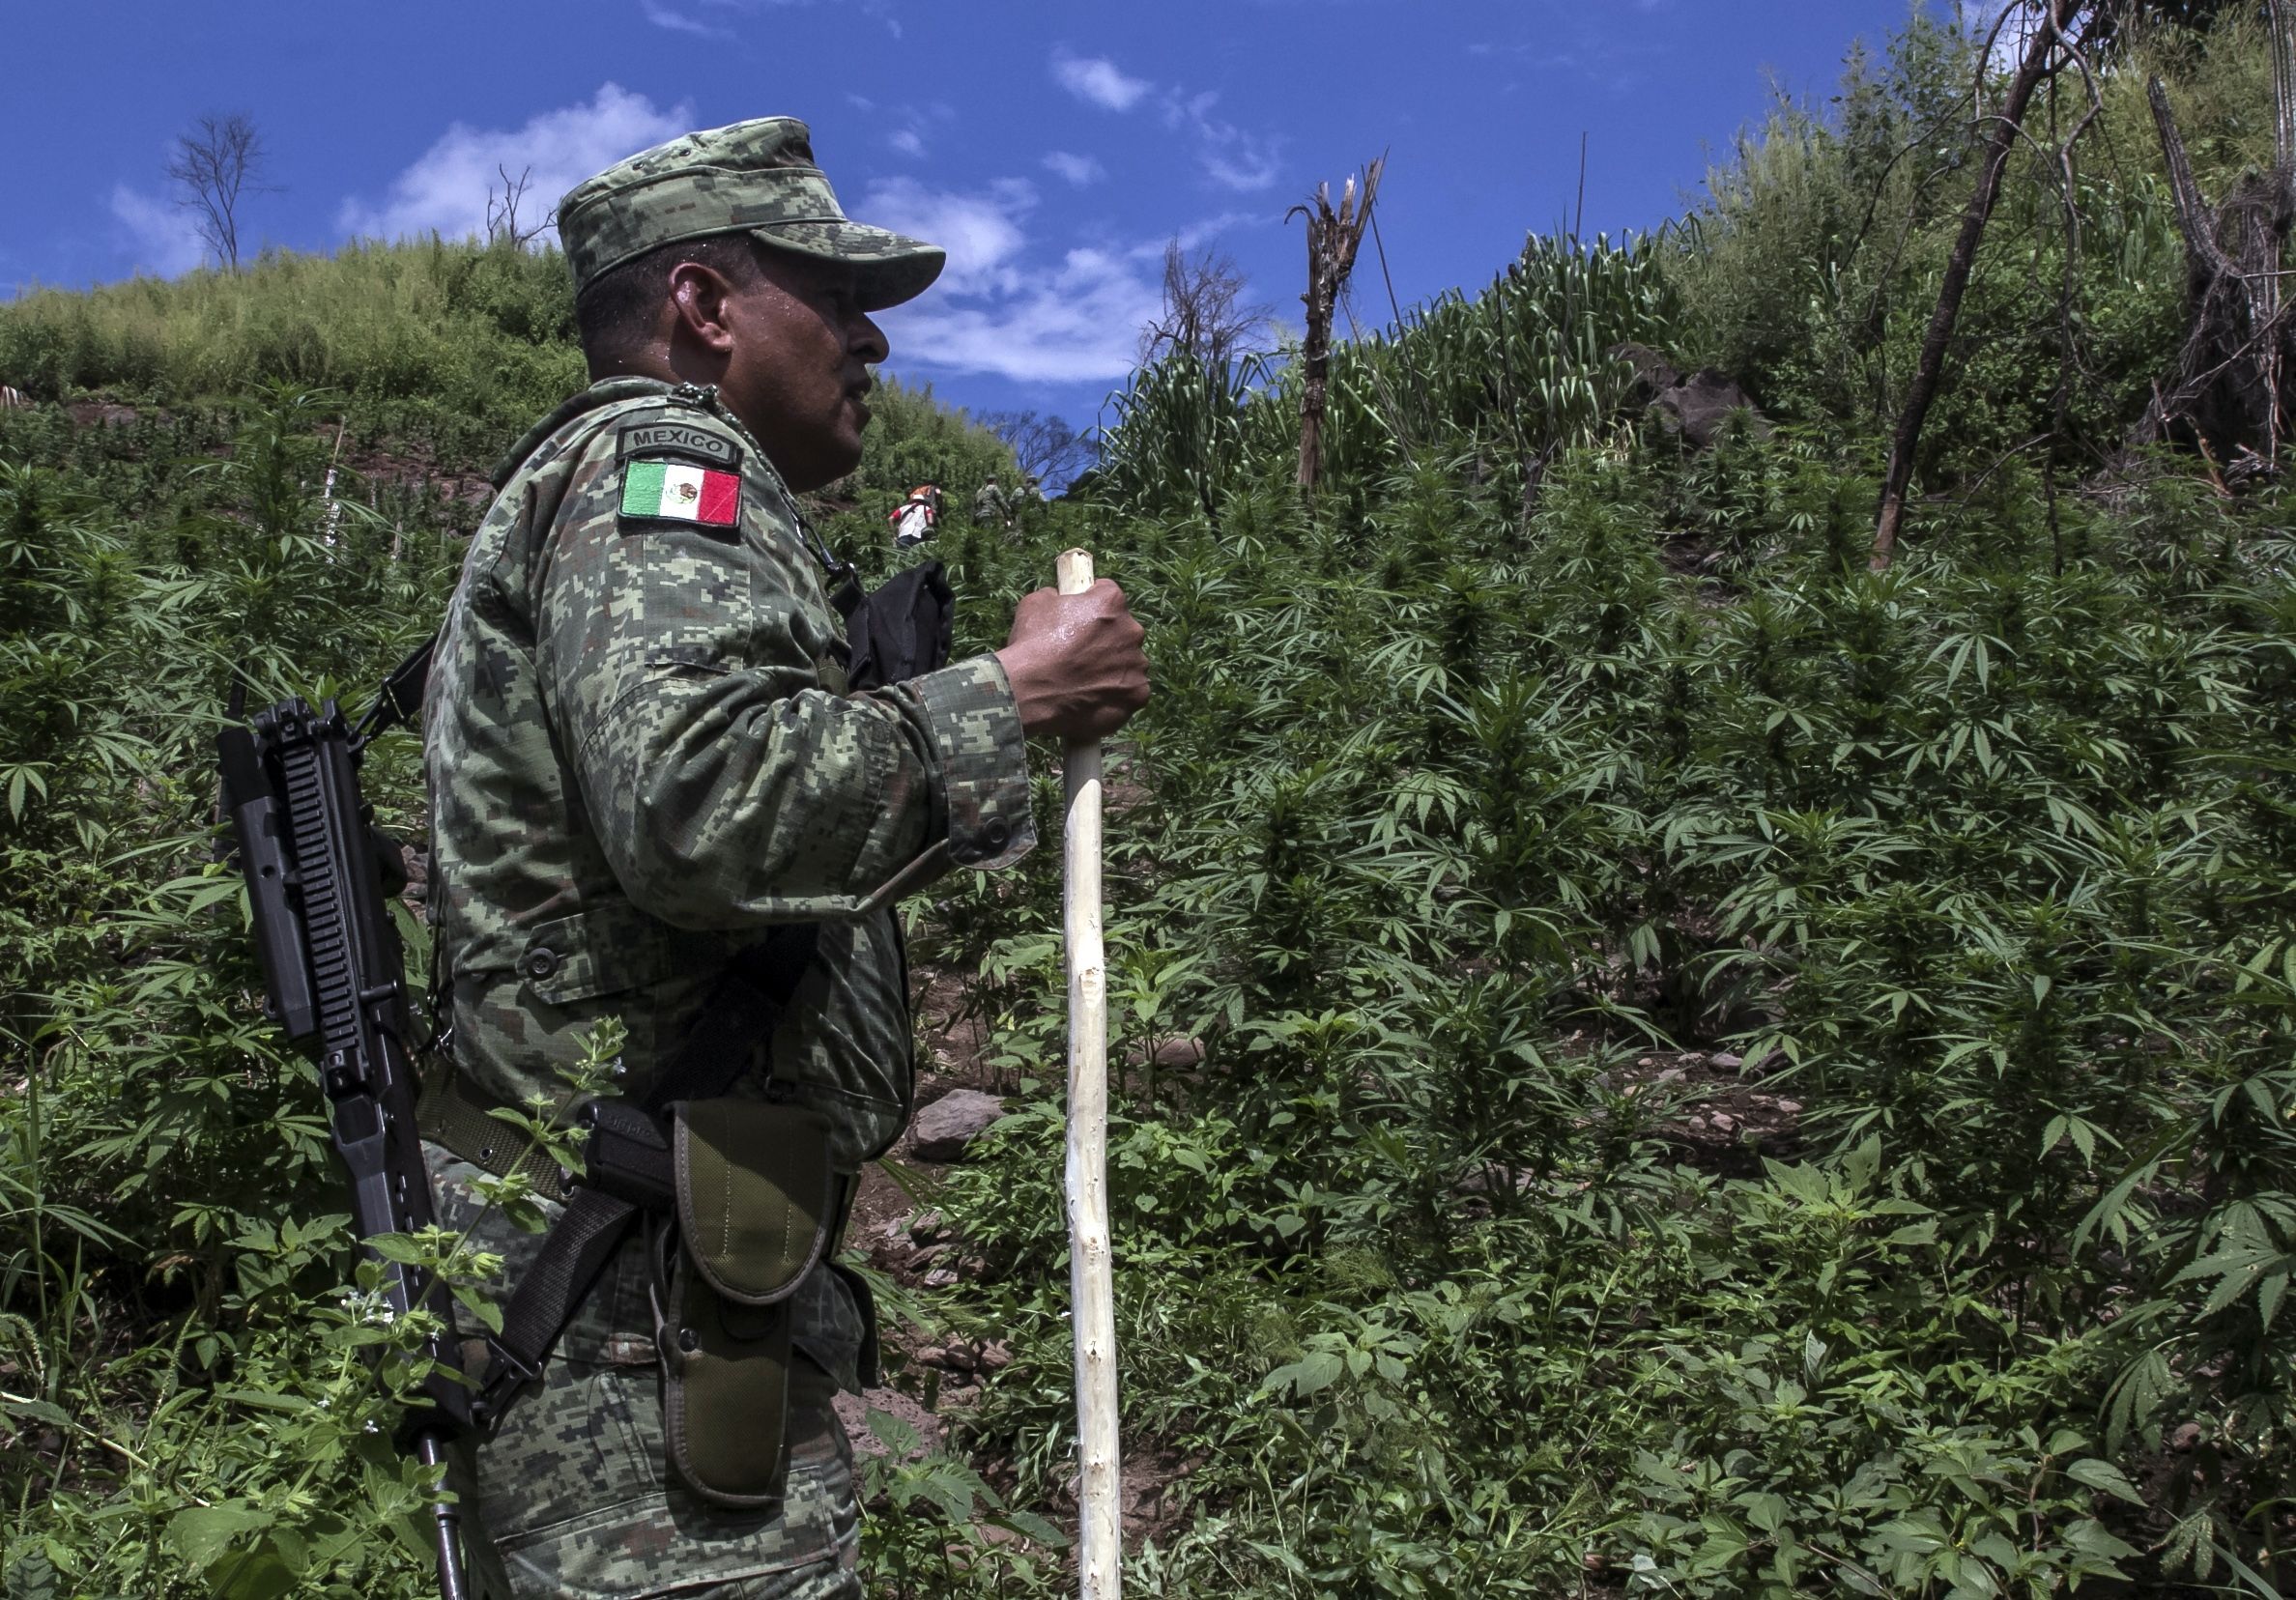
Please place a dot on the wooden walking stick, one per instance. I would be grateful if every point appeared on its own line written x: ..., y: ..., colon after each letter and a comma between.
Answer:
x: 1092, y: 1286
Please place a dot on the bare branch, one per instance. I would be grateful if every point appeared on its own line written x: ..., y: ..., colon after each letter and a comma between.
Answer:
x: 215, y: 167
x: 1050, y: 451
x: 503, y: 207
x: 2043, y: 55
x: 1204, y: 314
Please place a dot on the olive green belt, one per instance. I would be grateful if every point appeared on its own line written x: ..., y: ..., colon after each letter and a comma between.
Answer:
x: 461, y: 1117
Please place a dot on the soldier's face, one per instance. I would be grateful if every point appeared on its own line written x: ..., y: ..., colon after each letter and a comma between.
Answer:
x: 798, y: 372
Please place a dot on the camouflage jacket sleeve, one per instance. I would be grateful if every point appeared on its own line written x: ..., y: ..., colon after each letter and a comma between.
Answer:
x: 683, y: 668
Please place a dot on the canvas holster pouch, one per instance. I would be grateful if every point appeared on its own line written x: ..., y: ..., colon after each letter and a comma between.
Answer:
x: 757, y: 1201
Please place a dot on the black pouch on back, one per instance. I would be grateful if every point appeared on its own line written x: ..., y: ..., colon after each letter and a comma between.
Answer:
x: 899, y: 630
x: 755, y: 1201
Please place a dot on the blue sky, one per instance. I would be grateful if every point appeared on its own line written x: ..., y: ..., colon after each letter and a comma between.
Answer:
x: 1052, y: 148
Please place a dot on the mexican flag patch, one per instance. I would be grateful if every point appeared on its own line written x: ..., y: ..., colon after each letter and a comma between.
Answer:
x: 675, y: 492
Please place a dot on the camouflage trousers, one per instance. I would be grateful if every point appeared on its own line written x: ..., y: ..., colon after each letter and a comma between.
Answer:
x: 572, y: 1497
x: 572, y: 1510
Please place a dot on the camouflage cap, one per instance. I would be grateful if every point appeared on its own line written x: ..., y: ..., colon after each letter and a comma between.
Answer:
x: 757, y: 178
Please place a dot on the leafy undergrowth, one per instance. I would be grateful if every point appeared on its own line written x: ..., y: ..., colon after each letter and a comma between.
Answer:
x: 1528, y: 756
x: 1985, y: 865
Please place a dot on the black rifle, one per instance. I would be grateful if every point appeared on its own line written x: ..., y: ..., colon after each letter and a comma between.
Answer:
x: 335, y: 981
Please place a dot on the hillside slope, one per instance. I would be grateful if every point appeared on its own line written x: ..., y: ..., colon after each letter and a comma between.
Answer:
x: 1658, y: 1061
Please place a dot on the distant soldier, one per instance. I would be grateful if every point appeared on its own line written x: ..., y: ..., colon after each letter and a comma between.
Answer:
x: 914, y: 519
x: 989, y: 506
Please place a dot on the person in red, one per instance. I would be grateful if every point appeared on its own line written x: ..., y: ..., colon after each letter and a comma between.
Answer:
x: 914, y: 519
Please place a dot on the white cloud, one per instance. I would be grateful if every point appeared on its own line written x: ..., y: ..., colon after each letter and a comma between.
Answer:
x: 1079, y: 323
x: 1230, y: 157
x: 662, y: 17
x: 165, y: 240
x: 1001, y: 309
x: 981, y: 230
x: 1080, y: 170
x: 1235, y: 159
x: 908, y: 140
x: 446, y: 188
x: 1098, y: 80
x: 1202, y: 232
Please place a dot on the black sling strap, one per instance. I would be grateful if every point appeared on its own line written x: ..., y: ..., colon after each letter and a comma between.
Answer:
x: 399, y: 700
x: 900, y: 629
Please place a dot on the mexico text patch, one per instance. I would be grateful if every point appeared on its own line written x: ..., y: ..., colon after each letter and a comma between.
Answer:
x: 678, y: 491
x: 657, y: 439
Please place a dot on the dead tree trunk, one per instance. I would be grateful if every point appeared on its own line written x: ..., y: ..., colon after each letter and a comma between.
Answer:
x: 1333, y: 238
x: 2233, y: 394
x: 2040, y: 50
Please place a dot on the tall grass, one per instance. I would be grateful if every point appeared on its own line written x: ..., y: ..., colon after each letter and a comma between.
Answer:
x: 462, y: 342
x: 1512, y: 377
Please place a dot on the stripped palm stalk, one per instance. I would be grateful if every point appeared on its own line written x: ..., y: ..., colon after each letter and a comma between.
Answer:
x: 1333, y: 238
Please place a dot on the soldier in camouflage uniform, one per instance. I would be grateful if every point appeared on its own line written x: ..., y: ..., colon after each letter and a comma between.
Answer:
x: 989, y: 506
x: 643, y: 757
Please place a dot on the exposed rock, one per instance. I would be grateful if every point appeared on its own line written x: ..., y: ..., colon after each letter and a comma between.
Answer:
x: 1699, y: 407
x: 950, y: 1124
x: 100, y: 413
x: 1724, y: 1122
x: 1653, y: 373
x: 1483, y: 1180
x: 940, y: 1277
x: 1790, y: 1108
x: 1180, y: 1052
x: 1722, y: 1061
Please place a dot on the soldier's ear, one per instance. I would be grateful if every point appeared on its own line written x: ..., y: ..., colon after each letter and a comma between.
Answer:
x: 699, y: 295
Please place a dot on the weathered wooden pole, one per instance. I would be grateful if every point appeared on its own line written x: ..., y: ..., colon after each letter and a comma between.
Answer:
x: 1092, y: 1283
